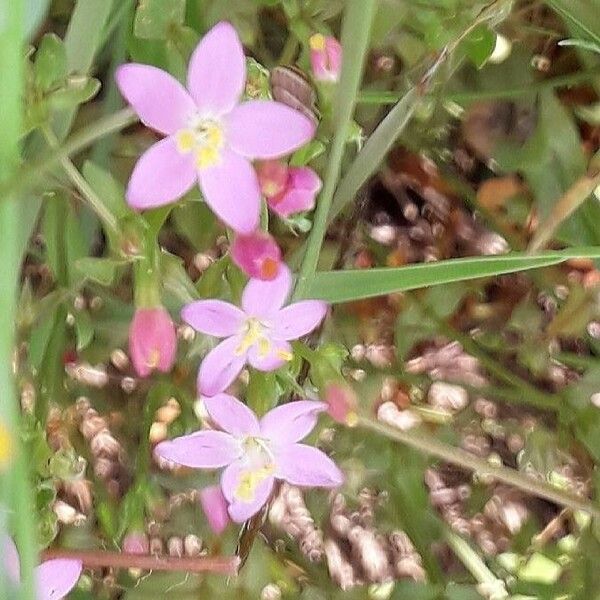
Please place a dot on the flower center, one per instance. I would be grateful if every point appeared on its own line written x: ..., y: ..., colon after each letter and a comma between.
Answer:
x: 204, y: 138
x: 254, y: 334
x: 260, y: 457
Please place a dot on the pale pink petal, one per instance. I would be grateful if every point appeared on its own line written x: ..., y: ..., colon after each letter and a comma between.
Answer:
x: 241, y: 510
x: 231, y: 415
x: 304, y: 465
x: 278, y: 354
x: 220, y: 367
x: 265, y: 298
x: 201, y: 450
x: 257, y: 254
x: 161, y: 175
x: 214, y: 505
x: 213, y: 317
x: 56, y: 578
x: 231, y: 190
x: 299, y: 195
x: 160, y: 101
x: 298, y: 319
x: 267, y: 129
x: 217, y: 71
x: 10, y: 558
x: 291, y: 422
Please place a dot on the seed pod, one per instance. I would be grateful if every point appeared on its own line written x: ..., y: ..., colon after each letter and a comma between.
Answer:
x: 291, y: 86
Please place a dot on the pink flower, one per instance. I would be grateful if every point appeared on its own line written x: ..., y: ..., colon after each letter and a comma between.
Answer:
x: 54, y: 578
x: 257, y: 254
x: 214, y: 506
x: 258, y: 333
x: 325, y: 57
x: 211, y: 137
x: 255, y: 453
x: 288, y: 190
x: 152, y: 341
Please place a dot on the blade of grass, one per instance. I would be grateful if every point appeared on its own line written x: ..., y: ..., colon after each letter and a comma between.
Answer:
x: 347, y: 286
x: 15, y: 485
x: 356, y: 26
x: 583, y: 15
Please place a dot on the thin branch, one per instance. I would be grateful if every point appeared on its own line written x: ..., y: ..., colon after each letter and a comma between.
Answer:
x: 96, y: 559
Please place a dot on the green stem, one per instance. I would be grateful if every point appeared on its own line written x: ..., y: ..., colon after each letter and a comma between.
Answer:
x: 15, y: 485
x: 356, y: 28
x: 428, y: 444
x: 95, y: 202
x: 30, y: 174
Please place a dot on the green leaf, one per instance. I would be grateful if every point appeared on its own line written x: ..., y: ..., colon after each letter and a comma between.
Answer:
x: 154, y: 18
x: 196, y: 222
x: 101, y: 270
x: 263, y: 392
x: 583, y: 15
x: 107, y: 187
x: 479, y: 44
x: 77, y: 91
x: 50, y: 64
x: 345, y: 286
x: 84, y: 329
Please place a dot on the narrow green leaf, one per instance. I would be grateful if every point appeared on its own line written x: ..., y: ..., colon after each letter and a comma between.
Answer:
x: 50, y: 63
x: 346, y: 286
x: 583, y: 15
x: 101, y: 270
x: 374, y: 151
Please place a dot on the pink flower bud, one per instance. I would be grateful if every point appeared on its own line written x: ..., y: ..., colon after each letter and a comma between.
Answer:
x: 341, y: 402
x: 325, y: 57
x: 288, y: 190
x: 152, y: 341
x: 136, y: 542
x: 214, y: 506
x: 272, y: 177
x: 257, y: 254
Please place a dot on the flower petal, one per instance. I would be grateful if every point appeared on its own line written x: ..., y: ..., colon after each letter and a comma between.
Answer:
x: 231, y: 415
x: 201, y: 450
x: 241, y: 509
x: 56, y: 578
x: 231, y: 189
x: 161, y: 175
x: 217, y: 71
x: 304, y: 465
x: 304, y: 184
x: 160, y: 101
x: 220, y: 367
x: 289, y: 423
x: 215, y: 507
x: 298, y: 319
x: 279, y: 352
x: 267, y: 129
x: 10, y: 558
x: 264, y: 298
x: 213, y: 317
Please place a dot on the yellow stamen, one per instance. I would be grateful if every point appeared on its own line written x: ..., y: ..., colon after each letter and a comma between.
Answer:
x: 186, y: 140
x: 351, y: 419
x: 250, y: 480
x: 264, y: 347
x: 317, y: 41
x: 6, y: 447
x: 284, y: 355
x: 208, y: 156
x: 254, y: 334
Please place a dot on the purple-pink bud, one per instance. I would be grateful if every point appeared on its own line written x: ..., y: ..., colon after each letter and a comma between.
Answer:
x: 272, y: 177
x: 136, y: 542
x: 325, y: 57
x: 341, y: 403
x: 214, y: 506
x: 257, y: 254
x: 152, y: 341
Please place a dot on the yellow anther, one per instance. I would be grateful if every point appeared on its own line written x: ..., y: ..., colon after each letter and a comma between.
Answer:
x: 317, y: 41
x: 6, y: 447
x: 264, y: 347
x: 207, y: 156
x: 284, y: 355
x: 254, y: 333
x: 186, y: 140
x: 250, y: 480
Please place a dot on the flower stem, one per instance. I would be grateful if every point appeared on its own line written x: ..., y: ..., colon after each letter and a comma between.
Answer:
x: 15, y: 485
x: 225, y: 565
x: 355, y: 40
x: 428, y: 444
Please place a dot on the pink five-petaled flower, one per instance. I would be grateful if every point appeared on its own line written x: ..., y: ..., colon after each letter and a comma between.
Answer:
x: 288, y: 190
x: 325, y: 57
x: 152, y: 341
x: 211, y: 137
x: 257, y: 254
x: 255, y: 453
x: 54, y: 579
x: 258, y: 333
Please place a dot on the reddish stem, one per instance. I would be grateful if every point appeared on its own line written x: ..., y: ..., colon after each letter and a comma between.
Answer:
x: 95, y: 559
